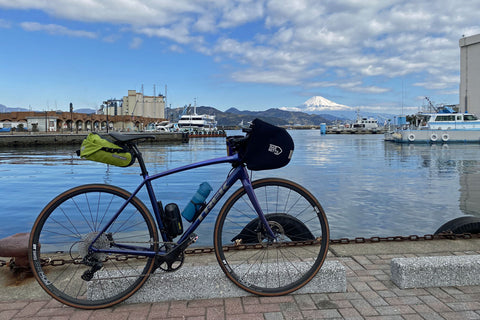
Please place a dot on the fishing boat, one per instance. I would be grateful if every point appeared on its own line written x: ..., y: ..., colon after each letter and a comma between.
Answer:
x: 446, y: 125
x: 365, y: 123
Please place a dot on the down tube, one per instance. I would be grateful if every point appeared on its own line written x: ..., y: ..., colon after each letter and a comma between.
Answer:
x: 239, y: 173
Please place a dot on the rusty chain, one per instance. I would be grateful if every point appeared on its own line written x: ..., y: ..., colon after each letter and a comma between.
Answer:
x: 445, y: 235
x: 427, y: 237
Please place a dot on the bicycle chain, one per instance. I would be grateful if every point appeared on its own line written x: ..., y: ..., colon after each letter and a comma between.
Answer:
x: 427, y: 237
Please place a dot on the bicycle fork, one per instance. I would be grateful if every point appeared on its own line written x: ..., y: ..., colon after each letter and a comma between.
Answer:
x: 247, y: 185
x: 239, y: 173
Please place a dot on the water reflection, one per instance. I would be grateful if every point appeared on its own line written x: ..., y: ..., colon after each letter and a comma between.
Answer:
x: 452, y: 171
x: 366, y: 186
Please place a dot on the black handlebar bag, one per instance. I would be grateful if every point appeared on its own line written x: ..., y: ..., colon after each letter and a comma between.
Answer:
x: 269, y: 147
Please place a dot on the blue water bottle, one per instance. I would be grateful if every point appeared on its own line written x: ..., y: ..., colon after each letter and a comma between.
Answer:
x: 198, y: 199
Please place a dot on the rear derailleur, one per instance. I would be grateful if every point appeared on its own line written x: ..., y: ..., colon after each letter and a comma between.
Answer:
x: 95, y: 265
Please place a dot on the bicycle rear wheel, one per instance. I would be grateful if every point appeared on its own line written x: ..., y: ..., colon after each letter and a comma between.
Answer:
x: 254, y: 262
x: 59, y: 246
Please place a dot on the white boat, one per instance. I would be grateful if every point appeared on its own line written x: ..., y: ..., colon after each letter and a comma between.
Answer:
x: 197, y: 122
x: 365, y: 123
x: 162, y: 126
x: 443, y: 126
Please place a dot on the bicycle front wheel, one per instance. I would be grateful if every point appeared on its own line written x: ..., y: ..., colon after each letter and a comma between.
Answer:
x: 60, y: 254
x: 265, y: 266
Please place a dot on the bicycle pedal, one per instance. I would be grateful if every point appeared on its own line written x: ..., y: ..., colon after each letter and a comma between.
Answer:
x: 192, y: 239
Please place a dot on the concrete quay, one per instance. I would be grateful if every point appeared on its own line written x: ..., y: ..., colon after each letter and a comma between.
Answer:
x: 50, y: 139
x: 370, y: 292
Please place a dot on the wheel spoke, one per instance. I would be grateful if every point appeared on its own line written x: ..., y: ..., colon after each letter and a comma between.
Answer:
x: 253, y: 261
x: 63, y: 234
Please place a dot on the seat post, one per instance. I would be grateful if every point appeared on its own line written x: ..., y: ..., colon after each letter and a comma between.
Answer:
x: 139, y: 156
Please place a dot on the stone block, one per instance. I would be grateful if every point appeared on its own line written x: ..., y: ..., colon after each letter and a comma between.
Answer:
x: 441, y: 271
x: 206, y: 282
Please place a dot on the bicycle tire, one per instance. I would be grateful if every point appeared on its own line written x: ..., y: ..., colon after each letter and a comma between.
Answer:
x: 59, y: 240
x: 259, y: 265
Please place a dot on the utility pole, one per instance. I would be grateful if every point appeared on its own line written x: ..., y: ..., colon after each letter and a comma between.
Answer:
x: 71, y: 117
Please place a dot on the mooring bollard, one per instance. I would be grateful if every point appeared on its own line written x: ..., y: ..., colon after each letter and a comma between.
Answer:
x: 16, y: 246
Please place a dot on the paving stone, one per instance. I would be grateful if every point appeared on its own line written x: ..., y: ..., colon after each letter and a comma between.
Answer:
x: 366, y: 297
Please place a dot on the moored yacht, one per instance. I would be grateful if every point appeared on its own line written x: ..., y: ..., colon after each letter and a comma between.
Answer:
x: 197, y: 122
x: 446, y: 125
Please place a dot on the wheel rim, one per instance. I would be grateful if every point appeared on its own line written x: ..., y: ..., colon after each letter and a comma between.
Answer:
x: 60, y: 252
x: 267, y: 267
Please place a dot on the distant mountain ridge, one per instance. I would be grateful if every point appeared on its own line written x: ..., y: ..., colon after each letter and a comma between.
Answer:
x: 314, y: 111
x: 4, y: 108
x: 233, y: 116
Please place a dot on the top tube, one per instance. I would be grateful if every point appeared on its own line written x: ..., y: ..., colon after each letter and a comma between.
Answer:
x: 228, y: 159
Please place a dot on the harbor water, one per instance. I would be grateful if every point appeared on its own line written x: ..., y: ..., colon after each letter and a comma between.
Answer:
x: 367, y: 187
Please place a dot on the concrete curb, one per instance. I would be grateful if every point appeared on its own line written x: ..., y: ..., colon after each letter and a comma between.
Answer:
x: 207, y: 282
x: 439, y: 271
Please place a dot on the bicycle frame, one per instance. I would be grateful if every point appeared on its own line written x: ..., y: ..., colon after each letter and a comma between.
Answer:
x: 237, y: 173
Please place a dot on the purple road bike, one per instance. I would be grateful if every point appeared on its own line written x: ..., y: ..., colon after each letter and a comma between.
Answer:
x: 95, y: 245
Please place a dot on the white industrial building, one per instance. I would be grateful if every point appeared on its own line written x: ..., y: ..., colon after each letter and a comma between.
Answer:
x: 136, y: 104
x: 470, y: 74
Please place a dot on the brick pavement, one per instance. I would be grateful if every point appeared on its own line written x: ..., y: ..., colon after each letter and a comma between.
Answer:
x: 370, y: 295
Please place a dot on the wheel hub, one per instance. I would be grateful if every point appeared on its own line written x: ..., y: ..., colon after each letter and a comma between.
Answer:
x: 102, y: 243
x: 277, y: 229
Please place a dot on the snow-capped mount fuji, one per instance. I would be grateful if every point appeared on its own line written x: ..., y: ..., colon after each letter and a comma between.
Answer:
x: 318, y: 103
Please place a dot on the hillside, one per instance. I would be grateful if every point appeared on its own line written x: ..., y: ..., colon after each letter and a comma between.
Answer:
x: 233, y: 116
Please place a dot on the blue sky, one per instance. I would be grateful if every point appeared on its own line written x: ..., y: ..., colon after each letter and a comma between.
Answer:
x: 378, y: 55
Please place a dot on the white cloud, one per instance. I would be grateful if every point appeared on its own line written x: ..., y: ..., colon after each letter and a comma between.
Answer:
x: 135, y: 43
x: 351, y: 86
x: 370, y: 89
x: 264, y: 76
x: 240, y: 12
x: 176, y: 48
x: 306, y: 43
x: 178, y: 33
x: 55, y: 29
x: 111, y: 38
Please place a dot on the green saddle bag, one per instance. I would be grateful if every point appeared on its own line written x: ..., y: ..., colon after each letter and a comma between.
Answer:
x: 96, y: 148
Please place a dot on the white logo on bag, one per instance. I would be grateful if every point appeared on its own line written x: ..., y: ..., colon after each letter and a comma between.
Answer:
x: 276, y: 150
x: 119, y: 156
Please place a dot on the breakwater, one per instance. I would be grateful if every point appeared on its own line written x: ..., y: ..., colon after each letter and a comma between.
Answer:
x: 44, y: 139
